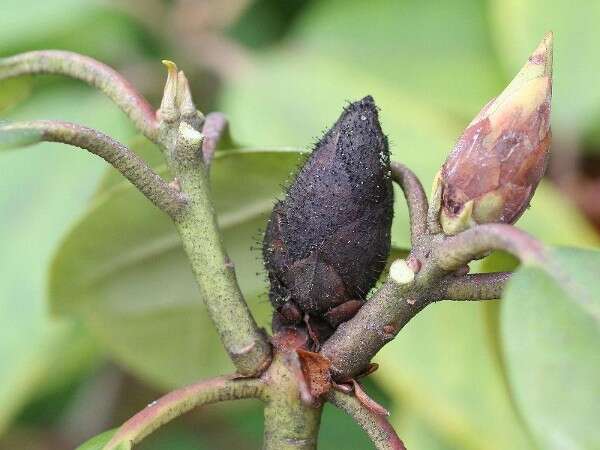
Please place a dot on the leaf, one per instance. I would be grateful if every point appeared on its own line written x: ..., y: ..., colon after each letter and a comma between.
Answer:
x: 415, y: 432
x: 550, y: 342
x: 407, y: 43
x: 519, y: 25
x: 443, y: 368
x: 42, y: 190
x: 98, y: 442
x: 123, y: 271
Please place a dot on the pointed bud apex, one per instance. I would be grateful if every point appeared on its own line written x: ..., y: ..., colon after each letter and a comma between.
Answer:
x: 169, y: 112
x: 185, y: 103
x: 497, y: 163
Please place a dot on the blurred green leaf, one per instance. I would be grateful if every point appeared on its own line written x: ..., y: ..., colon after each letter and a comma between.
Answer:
x: 30, y: 24
x: 410, y: 44
x: 416, y: 433
x: 29, y: 19
x: 12, y: 92
x: 520, y: 24
x: 122, y: 269
x: 444, y: 369
x: 551, y: 348
x: 42, y: 190
x: 97, y: 442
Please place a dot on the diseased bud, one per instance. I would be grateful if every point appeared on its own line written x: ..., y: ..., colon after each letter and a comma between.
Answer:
x: 327, y: 242
x: 497, y: 163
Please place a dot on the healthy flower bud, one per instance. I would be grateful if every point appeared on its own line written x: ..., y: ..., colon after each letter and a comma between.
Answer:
x: 327, y: 242
x: 496, y: 165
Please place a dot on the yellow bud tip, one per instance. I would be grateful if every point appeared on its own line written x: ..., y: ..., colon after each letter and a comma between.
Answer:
x: 171, y: 66
x: 542, y: 56
x: 168, y: 109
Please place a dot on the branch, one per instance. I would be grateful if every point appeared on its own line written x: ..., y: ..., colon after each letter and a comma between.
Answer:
x: 116, y: 154
x: 415, y: 198
x: 178, y: 402
x: 93, y: 72
x: 181, y: 143
x: 376, y: 426
x: 356, y: 341
x: 459, y: 250
x: 480, y: 286
x: 292, y: 415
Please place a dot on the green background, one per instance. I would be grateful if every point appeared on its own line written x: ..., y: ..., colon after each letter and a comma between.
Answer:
x: 98, y: 310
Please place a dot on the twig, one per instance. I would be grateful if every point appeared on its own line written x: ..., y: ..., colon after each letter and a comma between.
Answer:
x: 376, y: 426
x: 479, y: 286
x: 415, y: 198
x: 93, y: 72
x: 181, y: 143
x: 291, y: 419
x: 474, y: 243
x: 356, y: 341
x: 412, y: 287
x: 179, y: 402
x: 116, y: 154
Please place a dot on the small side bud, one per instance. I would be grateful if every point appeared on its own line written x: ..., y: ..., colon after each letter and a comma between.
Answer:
x: 190, y: 137
x: 401, y: 272
x: 497, y: 163
x: 169, y: 111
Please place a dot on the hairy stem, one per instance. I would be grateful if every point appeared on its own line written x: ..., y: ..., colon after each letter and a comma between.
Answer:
x: 181, y: 401
x: 479, y: 286
x: 93, y: 72
x: 116, y: 154
x: 415, y: 198
x: 376, y: 426
x: 474, y: 243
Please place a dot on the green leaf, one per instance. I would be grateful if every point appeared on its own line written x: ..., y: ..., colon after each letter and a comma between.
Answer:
x: 407, y: 43
x: 12, y: 92
x: 98, y: 442
x: 551, y: 340
x: 43, y: 189
x: 444, y: 368
x: 520, y: 24
x: 123, y: 271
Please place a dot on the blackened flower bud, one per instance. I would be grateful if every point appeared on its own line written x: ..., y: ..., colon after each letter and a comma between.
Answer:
x: 497, y: 163
x: 327, y: 242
